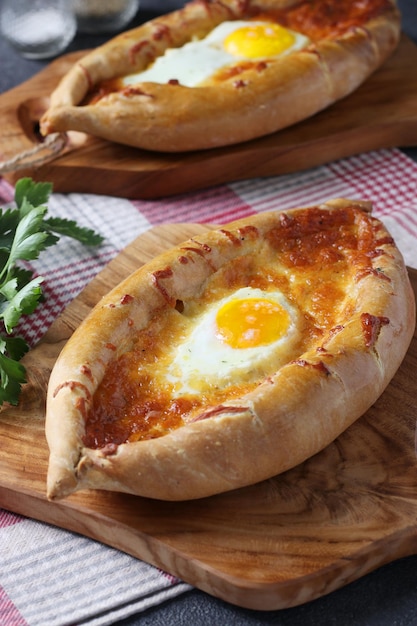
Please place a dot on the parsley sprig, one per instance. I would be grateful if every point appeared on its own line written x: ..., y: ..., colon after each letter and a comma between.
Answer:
x: 25, y: 232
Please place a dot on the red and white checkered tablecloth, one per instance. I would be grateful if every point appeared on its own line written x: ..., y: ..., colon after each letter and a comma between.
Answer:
x: 37, y: 561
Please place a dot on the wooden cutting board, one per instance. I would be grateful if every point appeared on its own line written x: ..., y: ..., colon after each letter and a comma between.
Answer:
x: 283, y: 542
x: 381, y: 113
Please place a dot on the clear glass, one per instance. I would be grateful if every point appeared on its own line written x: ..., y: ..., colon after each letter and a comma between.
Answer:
x: 104, y: 16
x: 38, y: 29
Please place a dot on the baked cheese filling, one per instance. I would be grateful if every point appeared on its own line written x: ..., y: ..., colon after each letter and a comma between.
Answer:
x: 233, y: 47
x: 228, y: 43
x: 255, y: 314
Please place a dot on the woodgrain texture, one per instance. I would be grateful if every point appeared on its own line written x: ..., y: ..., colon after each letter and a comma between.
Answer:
x: 381, y: 113
x: 283, y: 542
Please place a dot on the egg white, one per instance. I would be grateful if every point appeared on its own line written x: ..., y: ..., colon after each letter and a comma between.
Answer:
x: 198, y: 60
x: 203, y: 362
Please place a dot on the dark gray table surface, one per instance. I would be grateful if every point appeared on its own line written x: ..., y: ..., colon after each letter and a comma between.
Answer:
x: 386, y: 597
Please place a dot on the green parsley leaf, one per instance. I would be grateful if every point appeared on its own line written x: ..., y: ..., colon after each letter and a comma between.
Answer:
x: 12, y: 374
x: 71, y: 229
x: 25, y: 232
x: 29, y: 193
x: 19, y: 302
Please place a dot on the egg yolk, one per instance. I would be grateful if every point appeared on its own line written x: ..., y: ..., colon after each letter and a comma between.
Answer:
x: 259, y: 40
x: 251, y: 322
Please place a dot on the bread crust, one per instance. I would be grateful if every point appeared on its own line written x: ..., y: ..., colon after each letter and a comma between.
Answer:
x: 291, y: 415
x: 263, y: 99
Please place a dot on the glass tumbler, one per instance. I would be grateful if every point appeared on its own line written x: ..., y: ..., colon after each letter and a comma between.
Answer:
x: 104, y: 16
x: 38, y: 29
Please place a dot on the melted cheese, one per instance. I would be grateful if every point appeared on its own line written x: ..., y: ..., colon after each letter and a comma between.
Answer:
x: 311, y: 259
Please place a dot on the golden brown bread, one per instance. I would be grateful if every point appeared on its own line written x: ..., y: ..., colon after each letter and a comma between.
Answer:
x: 280, y: 421
x: 263, y: 99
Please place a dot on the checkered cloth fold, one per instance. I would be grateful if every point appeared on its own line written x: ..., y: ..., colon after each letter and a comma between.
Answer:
x: 37, y: 561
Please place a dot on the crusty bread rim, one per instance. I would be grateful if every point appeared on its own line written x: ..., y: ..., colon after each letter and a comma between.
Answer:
x: 173, y: 118
x: 288, y: 418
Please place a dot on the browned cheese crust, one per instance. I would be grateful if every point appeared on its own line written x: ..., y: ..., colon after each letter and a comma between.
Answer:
x: 287, y: 417
x: 260, y: 100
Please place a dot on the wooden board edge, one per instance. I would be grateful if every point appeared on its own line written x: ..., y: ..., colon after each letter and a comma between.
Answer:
x: 260, y: 597
x: 159, y: 175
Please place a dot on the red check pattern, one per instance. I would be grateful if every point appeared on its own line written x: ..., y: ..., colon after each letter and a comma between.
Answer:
x: 37, y: 560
